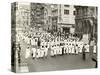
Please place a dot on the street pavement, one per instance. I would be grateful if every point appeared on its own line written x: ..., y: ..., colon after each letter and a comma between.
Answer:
x: 65, y: 62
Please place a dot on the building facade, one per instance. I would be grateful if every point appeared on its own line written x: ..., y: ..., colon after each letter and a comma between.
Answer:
x: 37, y: 15
x: 48, y: 17
x: 22, y: 16
x: 86, y: 21
x: 63, y: 17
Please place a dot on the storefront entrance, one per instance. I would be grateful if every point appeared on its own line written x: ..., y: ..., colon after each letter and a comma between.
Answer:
x: 66, y: 29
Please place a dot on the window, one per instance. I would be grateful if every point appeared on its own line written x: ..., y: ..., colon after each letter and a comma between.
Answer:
x: 54, y: 11
x: 66, y: 12
x: 78, y: 12
x: 74, y: 12
x: 66, y: 5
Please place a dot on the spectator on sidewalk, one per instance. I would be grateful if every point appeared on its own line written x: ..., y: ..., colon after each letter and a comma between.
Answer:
x: 83, y: 53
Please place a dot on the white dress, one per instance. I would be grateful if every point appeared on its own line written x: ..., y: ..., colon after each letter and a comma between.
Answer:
x: 73, y: 50
x: 27, y: 53
x: 38, y: 53
x: 60, y: 50
x: 46, y: 51
x: 66, y: 48
x: 94, y: 51
x: 32, y: 42
x: 76, y: 49
x: 41, y: 52
x: 52, y: 51
x: 34, y: 52
x: 87, y: 48
x: 52, y: 48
